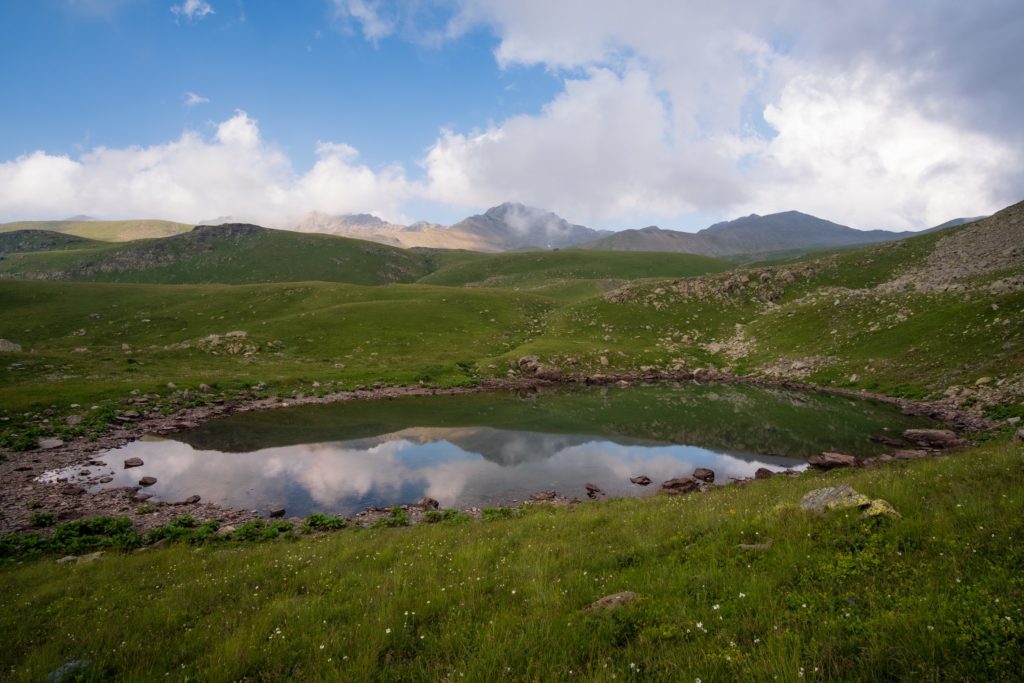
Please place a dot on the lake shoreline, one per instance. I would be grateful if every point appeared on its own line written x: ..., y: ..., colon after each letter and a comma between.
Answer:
x: 23, y: 493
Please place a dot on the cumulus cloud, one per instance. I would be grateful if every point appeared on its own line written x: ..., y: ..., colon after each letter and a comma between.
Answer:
x: 193, y: 178
x: 368, y: 15
x: 192, y: 99
x: 192, y: 9
x: 871, y: 113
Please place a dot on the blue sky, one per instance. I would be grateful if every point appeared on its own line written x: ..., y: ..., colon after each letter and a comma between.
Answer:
x: 663, y: 112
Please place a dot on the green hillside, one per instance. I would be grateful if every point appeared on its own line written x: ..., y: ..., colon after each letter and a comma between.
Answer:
x: 229, y: 254
x: 40, y: 240
x: 106, y: 231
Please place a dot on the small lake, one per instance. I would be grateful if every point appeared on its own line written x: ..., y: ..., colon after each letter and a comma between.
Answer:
x: 480, y: 450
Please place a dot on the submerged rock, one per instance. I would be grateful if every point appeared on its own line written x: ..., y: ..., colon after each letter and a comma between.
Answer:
x: 704, y: 474
x: 642, y: 480
x: 133, y: 462
x: 681, y: 485
x: 147, y: 481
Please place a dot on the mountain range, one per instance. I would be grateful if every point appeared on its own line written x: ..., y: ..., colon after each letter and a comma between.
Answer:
x: 516, y: 227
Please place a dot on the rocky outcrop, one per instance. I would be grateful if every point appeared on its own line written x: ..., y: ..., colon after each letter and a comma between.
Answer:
x: 933, y: 438
x: 828, y: 461
x: 681, y: 485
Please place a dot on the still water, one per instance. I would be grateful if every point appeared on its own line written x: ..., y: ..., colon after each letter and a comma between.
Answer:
x: 487, y: 449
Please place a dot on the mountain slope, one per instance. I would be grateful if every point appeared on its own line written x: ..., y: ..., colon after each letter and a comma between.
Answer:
x: 107, y: 231
x: 228, y: 254
x: 753, y: 234
x: 39, y: 240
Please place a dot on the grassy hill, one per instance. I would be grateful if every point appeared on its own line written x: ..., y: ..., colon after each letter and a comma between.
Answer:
x: 105, y: 231
x: 229, y: 254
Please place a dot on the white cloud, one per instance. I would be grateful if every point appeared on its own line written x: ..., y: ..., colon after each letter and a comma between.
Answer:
x: 190, y: 179
x: 192, y: 9
x: 192, y: 99
x: 368, y: 15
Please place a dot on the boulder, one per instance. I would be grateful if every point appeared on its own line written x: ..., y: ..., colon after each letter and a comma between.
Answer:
x: 886, y: 440
x: 72, y: 420
x: 548, y: 372
x: 828, y: 461
x: 933, y: 438
x: 612, y: 601
x: 140, y: 497
x: 681, y: 485
x: 7, y: 346
x: 47, y: 443
x: 763, y: 473
x: 133, y: 462
x: 704, y: 474
x: 880, y: 508
x: 593, y: 490
x: 544, y: 495
x: 529, y: 363
x: 191, y: 500
x: 106, y: 480
x: 909, y: 454
x: 147, y: 481
x: 276, y: 512
x: 428, y: 503
x: 642, y: 480
x: 833, y: 498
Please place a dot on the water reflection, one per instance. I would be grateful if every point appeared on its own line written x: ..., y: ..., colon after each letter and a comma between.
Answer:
x: 460, y: 467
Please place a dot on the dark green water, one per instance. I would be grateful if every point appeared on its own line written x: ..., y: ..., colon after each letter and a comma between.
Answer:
x: 485, y: 449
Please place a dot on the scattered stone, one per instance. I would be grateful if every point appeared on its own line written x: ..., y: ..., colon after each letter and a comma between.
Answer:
x: 828, y: 461
x: 909, y: 454
x: 681, y: 485
x: 1019, y: 436
x: 642, y: 480
x: 755, y: 546
x: 428, y: 503
x: 933, y: 438
x: 48, y: 443
x: 204, y: 388
x: 72, y: 420
x: 106, y: 480
x: 1013, y: 420
x: 763, y: 473
x: 191, y: 500
x: 612, y: 601
x: 833, y: 498
x: 277, y: 512
x: 68, y: 670
x: 544, y: 495
x: 147, y: 481
x: 9, y: 346
x: 704, y: 474
x: 529, y: 363
x: 548, y: 372
x: 880, y: 508
x: 140, y: 497
x: 593, y: 490
x: 133, y: 462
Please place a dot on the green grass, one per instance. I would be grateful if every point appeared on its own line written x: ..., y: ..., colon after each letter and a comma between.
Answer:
x: 106, y: 231
x: 936, y: 595
x: 215, y: 255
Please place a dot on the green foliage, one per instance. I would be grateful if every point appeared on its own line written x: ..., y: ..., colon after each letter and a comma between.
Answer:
x: 42, y: 519
x: 492, y: 514
x: 75, y: 537
x: 450, y: 516
x: 321, y: 522
x: 395, y: 518
x: 184, y: 529
x: 259, y: 530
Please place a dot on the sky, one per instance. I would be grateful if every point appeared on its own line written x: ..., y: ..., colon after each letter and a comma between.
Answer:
x: 896, y: 114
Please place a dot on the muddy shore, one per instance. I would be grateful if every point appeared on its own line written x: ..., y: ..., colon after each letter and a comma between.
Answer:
x: 22, y: 493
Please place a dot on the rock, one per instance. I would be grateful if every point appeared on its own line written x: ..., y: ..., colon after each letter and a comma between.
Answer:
x: 593, y: 490
x: 106, y: 480
x: 191, y: 500
x: 47, y: 443
x: 548, y: 372
x: 755, y: 546
x: 528, y: 363
x: 880, y: 508
x: 1019, y: 436
x: 642, y: 480
x: 681, y: 485
x: 544, y: 495
x: 604, y: 361
x: 704, y: 474
x: 909, y: 454
x: 828, y: 461
x: 763, y: 473
x: 147, y: 481
x: 67, y: 671
x: 612, y: 601
x: 933, y: 438
x: 133, y: 462
x: 7, y: 346
x: 72, y: 420
x: 982, y: 380
x: 66, y: 559
x: 140, y: 497
x: 833, y: 498
x: 276, y: 512
x: 428, y: 503
x: 1013, y: 420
